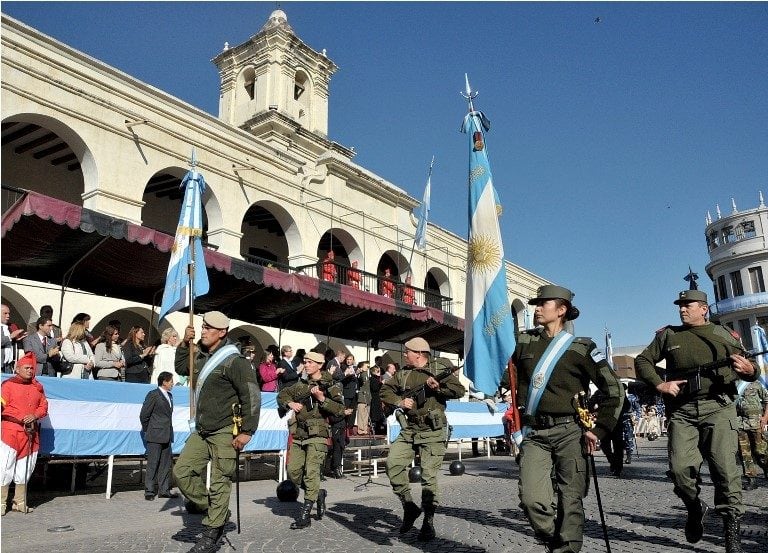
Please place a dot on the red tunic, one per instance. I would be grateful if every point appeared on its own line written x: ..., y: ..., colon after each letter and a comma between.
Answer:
x: 329, y: 271
x: 19, y: 400
x: 387, y: 288
x: 408, y: 295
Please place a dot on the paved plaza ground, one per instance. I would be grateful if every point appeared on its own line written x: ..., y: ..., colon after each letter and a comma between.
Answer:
x: 479, y: 513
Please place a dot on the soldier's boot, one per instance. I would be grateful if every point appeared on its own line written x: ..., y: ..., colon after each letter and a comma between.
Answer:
x: 427, y: 531
x: 304, y: 521
x: 209, y: 541
x: 694, y: 526
x: 750, y: 483
x: 732, y: 535
x: 20, y: 499
x: 411, y: 512
x: 321, y: 504
x: 4, y: 506
x: 628, y: 460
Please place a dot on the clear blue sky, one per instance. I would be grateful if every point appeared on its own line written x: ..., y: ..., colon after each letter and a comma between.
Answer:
x: 609, y: 141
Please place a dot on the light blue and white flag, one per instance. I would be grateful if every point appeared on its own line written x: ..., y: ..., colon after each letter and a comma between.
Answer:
x: 187, y: 247
x: 489, y: 339
x: 760, y: 343
x: 420, y: 239
x: 608, y: 348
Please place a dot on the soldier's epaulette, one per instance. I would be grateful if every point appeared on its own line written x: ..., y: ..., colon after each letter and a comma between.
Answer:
x: 527, y: 336
x: 582, y: 345
x: 727, y: 332
x: 662, y: 329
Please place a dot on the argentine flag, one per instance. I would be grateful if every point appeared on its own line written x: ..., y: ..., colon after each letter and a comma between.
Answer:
x: 188, y: 236
x: 489, y: 339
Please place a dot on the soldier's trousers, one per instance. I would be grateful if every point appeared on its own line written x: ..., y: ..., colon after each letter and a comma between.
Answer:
x: 754, y: 451
x: 190, y: 474
x: 401, y: 455
x: 556, y: 515
x: 700, y: 430
x: 304, y: 465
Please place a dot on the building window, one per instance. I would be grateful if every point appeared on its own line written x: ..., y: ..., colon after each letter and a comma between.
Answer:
x: 746, y: 334
x: 722, y: 292
x: 712, y: 240
x: 748, y: 229
x: 736, y: 285
x: 756, y: 280
x: 727, y: 234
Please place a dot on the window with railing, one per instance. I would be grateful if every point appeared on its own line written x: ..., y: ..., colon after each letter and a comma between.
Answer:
x: 727, y: 234
x: 756, y: 281
x: 722, y: 290
x: 747, y: 229
x: 731, y: 234
x: 736, y: 285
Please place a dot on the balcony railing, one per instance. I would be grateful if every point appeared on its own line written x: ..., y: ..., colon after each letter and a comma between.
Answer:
x: 749, y: 301
x: 376, y: 284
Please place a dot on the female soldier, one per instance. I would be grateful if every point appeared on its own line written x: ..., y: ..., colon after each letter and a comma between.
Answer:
x: 552, y: 368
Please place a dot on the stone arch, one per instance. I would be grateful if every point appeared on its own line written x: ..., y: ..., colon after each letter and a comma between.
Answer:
x: 269, y: 234
x: 162, y: 202
x: 37, y: 148
x: 436, y: 287
x: 257, y: 336
x: 22, y: 312
x: 132, y: 316
x: 302, y: 94
x: 395, y: 262
x: 345, y: 248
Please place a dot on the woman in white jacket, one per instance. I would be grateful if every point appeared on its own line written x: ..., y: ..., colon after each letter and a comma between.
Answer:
x: 75, y: 349
x: 165, y: 354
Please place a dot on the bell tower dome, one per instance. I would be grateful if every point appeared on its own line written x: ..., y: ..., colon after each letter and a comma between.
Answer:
x: 274, y: 72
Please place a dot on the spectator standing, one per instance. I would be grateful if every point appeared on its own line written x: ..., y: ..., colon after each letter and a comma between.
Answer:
x: 156, y: 418
x: 353, y: 276
x: 363, y: 398
x: 55, y: 337
x: 386, y: 284
x: 329, y: 267
x: 85, y: 319
x: 298, y: 359
x: 268, y: 375
x: 349, y: 383
x: 138, y: 357
x: 391, y: 369
x: 23, y: 405
x: 110, y: 363
x: 165, y: 354
x: 75, y: 349
x: 287, y: 374
x: 45, y: 348
x: 12, y: 337
x: 377, y: 414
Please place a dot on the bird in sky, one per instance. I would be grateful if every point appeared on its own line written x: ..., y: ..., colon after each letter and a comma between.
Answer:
x: 598, y: 20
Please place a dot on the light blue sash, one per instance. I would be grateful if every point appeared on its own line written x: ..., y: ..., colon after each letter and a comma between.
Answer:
x: 741, y: 386
x: 213, y: 361
x: 543, y: 372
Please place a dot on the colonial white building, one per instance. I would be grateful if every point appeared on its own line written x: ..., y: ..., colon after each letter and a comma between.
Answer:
x: 92, y: 160
x: 738, y: 267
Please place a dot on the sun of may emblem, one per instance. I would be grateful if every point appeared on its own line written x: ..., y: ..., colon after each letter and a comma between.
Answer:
x: 483, y: 253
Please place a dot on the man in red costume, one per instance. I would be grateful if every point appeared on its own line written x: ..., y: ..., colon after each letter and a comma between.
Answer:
x: 329, y: 267
x: 409, y: 294
x: 23, y: 405
x: 387, y: 285
x: 353, y: 276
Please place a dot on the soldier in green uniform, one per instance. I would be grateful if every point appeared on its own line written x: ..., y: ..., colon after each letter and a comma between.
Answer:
x: 700, y: 411
x: 752, y: 408
x: 424, y: 430
x: 222, y: 378
x: 552, y: 367
x: 311, y: 403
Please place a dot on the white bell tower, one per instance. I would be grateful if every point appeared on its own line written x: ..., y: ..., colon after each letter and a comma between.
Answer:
x: 273, y: 74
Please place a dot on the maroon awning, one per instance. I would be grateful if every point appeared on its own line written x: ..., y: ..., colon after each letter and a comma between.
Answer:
x: 49, y: 240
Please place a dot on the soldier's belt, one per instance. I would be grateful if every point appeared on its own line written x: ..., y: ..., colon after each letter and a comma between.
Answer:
x: 542, y: 422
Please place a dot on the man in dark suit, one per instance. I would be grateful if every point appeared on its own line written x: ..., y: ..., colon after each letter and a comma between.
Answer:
x: 45, y: 348
x: 155, y: 417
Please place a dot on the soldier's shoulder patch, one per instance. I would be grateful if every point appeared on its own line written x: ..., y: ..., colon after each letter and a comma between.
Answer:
x: 662, y: 329
x: 597, y: 355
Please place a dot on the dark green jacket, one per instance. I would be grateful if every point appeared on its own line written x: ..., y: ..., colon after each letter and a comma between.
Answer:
x: 232, y: 382
x: 687, y: 347
x: 409, y: 378
x: 311, y: 421
x: 581, y: 363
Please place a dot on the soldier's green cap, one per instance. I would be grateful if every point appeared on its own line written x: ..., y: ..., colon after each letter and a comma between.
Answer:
x: 691, y: 295
x: 551, y: 292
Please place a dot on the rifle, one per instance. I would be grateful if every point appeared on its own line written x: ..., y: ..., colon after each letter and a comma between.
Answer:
x: 282, y: 410
x: 237, y: 422
x: 584, y: 418
x: 419, y: 393
x: 693, y: 376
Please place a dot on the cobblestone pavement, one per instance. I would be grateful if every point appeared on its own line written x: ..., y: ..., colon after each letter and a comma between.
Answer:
x: 479, y: 513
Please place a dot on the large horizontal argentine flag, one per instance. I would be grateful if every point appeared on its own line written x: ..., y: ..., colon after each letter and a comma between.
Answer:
x: 187, y: 247
x: 101, y: 418
x: 489, y: 339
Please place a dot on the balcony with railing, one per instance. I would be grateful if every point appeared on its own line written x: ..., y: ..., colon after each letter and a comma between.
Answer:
x: 748, y: 301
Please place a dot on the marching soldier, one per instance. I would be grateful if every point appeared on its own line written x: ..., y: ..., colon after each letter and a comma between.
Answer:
x: 311, y: 403
x: 553, y: 366
x: 424, y: 433
x: 752, y: 408
x: 701, y: 411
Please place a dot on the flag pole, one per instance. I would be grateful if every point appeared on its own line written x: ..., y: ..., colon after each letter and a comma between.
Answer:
x: 423, y: 214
